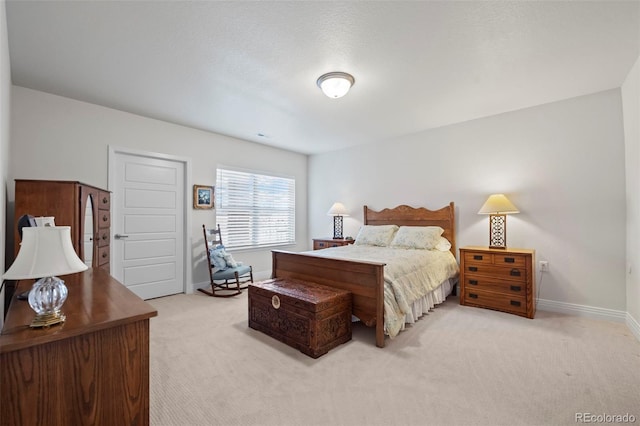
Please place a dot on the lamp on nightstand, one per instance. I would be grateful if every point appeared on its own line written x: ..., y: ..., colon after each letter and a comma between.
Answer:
x: 498, y: 207
x: 46, y: 251
x: 337, y: 210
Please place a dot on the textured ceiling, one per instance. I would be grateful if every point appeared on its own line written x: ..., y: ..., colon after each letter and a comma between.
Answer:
x: 247, y: 68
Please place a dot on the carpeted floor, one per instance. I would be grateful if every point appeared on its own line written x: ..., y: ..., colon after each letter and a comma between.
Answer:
x: 456, y: 366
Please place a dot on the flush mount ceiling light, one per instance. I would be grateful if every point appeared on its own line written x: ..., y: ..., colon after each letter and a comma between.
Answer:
x: 335, y: 84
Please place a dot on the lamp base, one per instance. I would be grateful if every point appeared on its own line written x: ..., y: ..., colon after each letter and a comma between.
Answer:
x: 337, y: 227
x: 498, y: 231
x: 47, y: 320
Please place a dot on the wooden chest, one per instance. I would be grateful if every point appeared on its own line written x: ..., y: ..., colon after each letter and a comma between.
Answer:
x: 307, y: 316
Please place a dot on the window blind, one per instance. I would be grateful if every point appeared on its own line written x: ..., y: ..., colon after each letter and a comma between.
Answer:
x: 254, y: 210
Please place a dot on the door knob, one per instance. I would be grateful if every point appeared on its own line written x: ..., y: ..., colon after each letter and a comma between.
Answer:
x: 119, y: 236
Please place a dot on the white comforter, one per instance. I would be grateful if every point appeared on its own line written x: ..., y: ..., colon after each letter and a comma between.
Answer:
x: 409, y: 275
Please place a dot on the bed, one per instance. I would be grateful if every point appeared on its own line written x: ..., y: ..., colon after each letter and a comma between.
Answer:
x: 364, y: 278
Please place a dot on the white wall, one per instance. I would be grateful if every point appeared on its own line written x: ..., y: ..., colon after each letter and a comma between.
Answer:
x: 60, y: 138
x: 561, y: 164
x: 5, y: 104
x: 631, y: 108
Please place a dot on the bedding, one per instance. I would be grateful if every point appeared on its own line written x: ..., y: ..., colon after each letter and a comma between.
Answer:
x: 415, y: 280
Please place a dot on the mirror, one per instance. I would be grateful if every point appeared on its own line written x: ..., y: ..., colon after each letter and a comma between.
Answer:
x: 87, y: 240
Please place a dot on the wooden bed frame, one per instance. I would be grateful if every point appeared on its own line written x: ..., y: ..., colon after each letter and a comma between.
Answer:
x: 364, y: 279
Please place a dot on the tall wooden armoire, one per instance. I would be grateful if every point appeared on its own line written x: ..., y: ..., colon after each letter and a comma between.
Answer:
x: 85, y: 208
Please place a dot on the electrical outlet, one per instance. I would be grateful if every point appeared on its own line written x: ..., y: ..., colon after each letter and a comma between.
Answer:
x: 544, y: 265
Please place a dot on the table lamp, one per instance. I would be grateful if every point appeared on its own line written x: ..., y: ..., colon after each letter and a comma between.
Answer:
x: 337, y: 210
x: 45, y: 252
x: 497, y: 207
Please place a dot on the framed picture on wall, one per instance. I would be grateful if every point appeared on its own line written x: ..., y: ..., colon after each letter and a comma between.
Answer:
x: 203, y: 197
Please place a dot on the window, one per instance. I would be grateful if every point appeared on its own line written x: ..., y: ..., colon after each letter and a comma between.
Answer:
x: 254, y: 210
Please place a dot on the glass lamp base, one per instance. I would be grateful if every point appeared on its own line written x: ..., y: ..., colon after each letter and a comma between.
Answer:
x: 47, y: 320
x: 46, y: 298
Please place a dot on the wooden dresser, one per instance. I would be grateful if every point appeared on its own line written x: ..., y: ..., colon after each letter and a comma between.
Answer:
x: 91, y: 370
x: 85, y: 208
x: 323, y: 243
x: 500, y: 279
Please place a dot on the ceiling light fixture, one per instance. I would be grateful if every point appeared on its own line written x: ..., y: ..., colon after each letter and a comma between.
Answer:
x: 335, y: 84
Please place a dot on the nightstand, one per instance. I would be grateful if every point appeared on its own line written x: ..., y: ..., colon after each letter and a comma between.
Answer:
x: 500, y: 279
x: 323, y: 243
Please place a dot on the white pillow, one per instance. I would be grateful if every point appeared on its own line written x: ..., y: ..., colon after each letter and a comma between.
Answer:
x: 417, y: 237
x: 443, y: 244
x: 376, y: 235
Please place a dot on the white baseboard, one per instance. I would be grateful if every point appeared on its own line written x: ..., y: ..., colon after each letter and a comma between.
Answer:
x: 582, y: 310
x: 633, y: 325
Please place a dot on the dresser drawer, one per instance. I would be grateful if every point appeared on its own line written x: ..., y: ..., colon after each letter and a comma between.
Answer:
x: 514, y: 260
x: 474, y: 282
x: 321, y: 243
x: 318, y: 245
x: 499, y: 301
x: 498, y: 272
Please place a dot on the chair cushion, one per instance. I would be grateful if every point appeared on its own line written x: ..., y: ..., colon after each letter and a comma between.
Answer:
x: 229, y: 273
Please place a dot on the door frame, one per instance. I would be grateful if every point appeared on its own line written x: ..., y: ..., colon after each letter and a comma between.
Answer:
x: 115, y: 221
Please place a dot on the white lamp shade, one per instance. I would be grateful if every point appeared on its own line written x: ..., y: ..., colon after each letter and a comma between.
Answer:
x: 498, y: 204
x: 337, y: 209
x: 45, y: 251
x: 335, y: 84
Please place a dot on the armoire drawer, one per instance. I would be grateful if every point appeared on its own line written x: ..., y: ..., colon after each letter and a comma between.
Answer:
x: 103, y: 255
x: 104, y: 218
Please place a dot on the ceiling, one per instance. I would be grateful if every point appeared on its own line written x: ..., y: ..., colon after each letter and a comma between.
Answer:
x: 248, y: 69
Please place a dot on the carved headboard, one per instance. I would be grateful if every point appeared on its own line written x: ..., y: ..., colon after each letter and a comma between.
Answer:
x: 410, y: 216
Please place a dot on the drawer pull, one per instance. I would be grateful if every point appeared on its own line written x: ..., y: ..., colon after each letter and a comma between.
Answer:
x: 516, y: 288
x: 515, y: 303
x: 515, y: 273
x: 509, y: 260
x: 473, y: 268
x: 105, y: 218
x: 473, y: 282
x: 104, y: 255
x: 473, y: 296
x: 477, y: 257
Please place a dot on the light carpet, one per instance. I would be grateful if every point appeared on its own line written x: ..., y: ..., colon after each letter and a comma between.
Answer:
x: 456, y: 366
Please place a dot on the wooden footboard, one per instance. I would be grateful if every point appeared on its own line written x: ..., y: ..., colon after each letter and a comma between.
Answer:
x: 365, y: 280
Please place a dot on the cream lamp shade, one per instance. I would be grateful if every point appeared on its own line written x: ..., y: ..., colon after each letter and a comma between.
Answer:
x: 497, y: 207
x: 498, y: 204
x: 46, y: 251
x: 337, y: 210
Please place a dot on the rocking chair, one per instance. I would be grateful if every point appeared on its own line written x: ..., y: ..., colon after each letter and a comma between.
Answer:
x: 224, y: 282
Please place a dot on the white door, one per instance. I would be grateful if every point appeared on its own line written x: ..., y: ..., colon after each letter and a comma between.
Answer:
x: 148, y: 208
